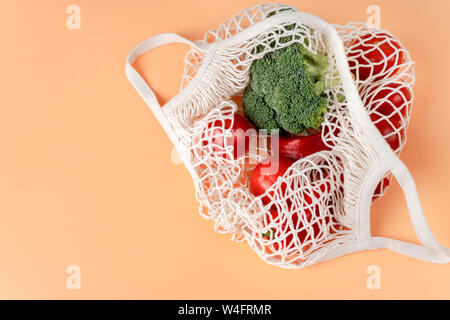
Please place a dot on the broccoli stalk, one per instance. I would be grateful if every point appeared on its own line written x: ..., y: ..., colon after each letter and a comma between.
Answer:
x: 286, y: 90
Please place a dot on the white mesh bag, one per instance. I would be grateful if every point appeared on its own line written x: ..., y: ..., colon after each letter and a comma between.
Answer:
x: 320, y: 208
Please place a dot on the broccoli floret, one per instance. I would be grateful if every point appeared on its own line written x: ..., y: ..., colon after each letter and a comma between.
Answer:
x: 262, y: 115
x: 286, y: 90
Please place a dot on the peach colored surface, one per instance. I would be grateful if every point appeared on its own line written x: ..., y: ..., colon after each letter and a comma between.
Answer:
x: 86, y: 176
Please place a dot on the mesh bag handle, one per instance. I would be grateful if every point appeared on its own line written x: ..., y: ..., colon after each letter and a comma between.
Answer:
x: 144, y: 89
x: 430, y: 250
x: 139, y: 83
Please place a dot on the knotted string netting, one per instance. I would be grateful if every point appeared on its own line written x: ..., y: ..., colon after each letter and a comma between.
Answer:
x: 313, y: 210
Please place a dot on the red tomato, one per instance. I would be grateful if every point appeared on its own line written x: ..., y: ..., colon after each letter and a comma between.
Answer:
x: 388, y: 107
x: 388, y: 114
x: 266, y: 174
x: 239, y: 139
x: 391, y: 100
x: 389, y: 130
x: 373, y: 49
x: 299, y: 147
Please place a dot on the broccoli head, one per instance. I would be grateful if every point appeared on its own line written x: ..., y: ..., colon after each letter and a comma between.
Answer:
x: 286, y: 90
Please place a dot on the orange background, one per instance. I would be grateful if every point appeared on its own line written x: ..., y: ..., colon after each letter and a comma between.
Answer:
x: 86, y: 176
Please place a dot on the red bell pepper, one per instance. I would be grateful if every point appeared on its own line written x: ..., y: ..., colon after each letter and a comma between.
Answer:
x: 301, y: 146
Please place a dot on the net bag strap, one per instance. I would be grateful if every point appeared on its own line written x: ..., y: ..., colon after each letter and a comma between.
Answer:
x: 144, y: 89
x: 430, y: 250
x: 139, y: 83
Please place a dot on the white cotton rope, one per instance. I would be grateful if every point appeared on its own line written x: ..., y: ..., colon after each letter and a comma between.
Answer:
x: 340, y: 183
